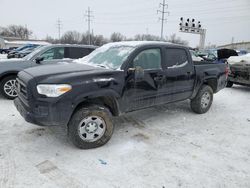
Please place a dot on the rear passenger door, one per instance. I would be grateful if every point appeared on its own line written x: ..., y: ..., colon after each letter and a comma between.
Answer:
x: 180, y: 70
x: 76, y: 52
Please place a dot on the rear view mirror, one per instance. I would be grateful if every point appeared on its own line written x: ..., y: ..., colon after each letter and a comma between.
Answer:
x: 39, y: 59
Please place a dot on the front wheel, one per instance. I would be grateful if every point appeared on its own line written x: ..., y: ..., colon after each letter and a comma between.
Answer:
x: 90, y: 127
x: 203, y: 100
x: 8, y: 87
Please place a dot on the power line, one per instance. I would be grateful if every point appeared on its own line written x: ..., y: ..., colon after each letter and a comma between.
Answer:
x: 89, y: 19
x: 163, y: 12
x: 59, y: 26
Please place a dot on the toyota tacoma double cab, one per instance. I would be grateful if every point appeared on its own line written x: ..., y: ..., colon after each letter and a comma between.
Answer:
x: 115, y: 79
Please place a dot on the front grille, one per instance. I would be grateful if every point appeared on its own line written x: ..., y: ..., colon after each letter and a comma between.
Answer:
x: 22, y: 89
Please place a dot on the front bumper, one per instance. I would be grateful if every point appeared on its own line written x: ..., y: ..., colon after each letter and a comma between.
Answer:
x: 44, y: 114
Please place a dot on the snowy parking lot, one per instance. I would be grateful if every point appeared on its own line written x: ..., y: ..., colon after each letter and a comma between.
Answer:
x: 164, y: 146
x: 3, y: 56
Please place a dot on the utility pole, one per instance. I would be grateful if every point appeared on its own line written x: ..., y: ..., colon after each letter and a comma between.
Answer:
x: 59, y: 27
x: 163, y: 19
x: 89, y: 19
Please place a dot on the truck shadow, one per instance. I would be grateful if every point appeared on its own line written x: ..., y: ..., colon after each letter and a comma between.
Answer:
x: 138, y: 120
x: 146, y: 117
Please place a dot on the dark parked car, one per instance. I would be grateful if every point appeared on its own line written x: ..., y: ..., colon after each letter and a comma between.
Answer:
x: 115, y: 79
x: 12, y: 53
x: 25, y: 52
x: 45, y: 55
x: 242, y: 52
x: 6, y: 50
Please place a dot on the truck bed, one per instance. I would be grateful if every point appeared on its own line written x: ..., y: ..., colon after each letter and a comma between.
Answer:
x: 206, y: 69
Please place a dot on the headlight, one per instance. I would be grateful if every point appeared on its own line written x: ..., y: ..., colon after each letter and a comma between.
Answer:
x: 53, y: 90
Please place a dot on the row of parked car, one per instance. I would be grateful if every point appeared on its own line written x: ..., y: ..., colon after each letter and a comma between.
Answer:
x: 19, y: 52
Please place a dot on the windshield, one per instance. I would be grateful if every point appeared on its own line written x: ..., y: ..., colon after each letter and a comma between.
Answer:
x: 31, y: 55
x: 108, y: 56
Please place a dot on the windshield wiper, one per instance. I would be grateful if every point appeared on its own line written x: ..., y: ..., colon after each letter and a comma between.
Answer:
x: 102, y: 66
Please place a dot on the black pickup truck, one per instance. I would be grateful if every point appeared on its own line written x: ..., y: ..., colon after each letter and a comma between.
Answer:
x: 115, y: 79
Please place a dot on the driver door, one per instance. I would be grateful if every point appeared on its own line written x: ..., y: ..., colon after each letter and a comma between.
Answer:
x: 142, y: 91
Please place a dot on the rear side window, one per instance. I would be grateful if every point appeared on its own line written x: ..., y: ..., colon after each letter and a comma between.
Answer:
x: 76, y: 52
x: 176, y: 58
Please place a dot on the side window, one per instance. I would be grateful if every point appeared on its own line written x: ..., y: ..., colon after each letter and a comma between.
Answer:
x: 54, y: 53
x: 176, y: 58
x: 148, y: 59
x: 76, y: 52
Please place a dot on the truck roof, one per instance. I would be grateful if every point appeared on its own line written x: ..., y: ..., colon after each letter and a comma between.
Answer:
x: 141, y: 43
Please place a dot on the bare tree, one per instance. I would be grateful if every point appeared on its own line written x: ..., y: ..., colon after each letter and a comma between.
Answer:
x: 176, y: 40
x: 16, y: 31
x: 143, y: 37
x: 99, y: 40
x: 71, y: 37
x: 84, y: 38
x: 117, y: 37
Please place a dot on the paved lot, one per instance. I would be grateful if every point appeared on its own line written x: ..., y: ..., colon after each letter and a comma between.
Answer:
x: 164, y: 146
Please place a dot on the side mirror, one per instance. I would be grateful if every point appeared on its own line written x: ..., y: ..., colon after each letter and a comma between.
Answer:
x: 39, y: 59
x: 137, y: 72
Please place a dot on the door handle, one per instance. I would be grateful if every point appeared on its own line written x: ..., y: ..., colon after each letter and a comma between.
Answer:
x: 189, y: 73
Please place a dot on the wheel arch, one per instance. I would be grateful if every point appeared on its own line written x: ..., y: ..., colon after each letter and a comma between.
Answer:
x: 11, y: 73
x: 212, y: 82
x: 108, y: 100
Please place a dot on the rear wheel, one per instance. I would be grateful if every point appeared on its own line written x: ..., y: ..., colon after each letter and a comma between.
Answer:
x: 8, y: 87
x: 90, y: 127
x: 229, y: 84
x: 203, y: 100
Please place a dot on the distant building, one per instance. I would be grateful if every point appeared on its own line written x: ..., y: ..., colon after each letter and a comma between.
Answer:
x: 8, y: 42
x: 237, y: 46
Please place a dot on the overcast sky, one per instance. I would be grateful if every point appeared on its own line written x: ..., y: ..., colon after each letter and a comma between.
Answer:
x: 223, y: 19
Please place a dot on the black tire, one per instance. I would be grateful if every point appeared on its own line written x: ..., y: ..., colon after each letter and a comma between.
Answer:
x: 86, y: 112
x: 229, y: 84
x: 198, y: 105
x: 2, y: 84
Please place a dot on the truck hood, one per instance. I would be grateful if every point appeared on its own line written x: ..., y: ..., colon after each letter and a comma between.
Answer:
x: 62, y: 69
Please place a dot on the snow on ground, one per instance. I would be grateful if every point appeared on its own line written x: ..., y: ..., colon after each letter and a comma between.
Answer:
x: 3, y: 56
x: 164, y: 146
